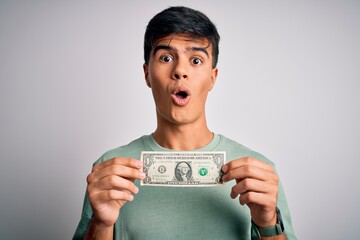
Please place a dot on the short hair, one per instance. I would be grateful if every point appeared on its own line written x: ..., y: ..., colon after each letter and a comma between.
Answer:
x: 174, y: 20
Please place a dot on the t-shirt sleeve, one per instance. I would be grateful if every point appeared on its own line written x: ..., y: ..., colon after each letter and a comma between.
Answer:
x: 285, y: 214
x: 84, y: 221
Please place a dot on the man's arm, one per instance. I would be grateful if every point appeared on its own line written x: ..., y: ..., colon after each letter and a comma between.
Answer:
x: 97, y: 231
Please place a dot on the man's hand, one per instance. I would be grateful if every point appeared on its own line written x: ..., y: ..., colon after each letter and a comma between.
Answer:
x: 257, y: 185
x: 110, y: 186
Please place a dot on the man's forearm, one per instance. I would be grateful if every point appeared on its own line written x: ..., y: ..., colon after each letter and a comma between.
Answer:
x: 97, y: 231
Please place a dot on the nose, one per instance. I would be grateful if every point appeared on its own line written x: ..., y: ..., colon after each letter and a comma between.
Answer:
x: 179, y: 71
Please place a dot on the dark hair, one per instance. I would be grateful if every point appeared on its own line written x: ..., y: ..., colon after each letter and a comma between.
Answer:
x: 175, y: 20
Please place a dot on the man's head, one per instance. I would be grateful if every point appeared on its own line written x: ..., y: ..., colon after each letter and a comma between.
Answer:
x: 181, y: 20
x: 183, y: 167
x: 179, y: 64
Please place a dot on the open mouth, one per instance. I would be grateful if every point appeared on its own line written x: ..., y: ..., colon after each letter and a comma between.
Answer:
x: 181, y: 96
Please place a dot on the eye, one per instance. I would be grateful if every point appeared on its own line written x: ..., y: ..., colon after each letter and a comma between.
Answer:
x: 166, y: 58
x: 196, y: 61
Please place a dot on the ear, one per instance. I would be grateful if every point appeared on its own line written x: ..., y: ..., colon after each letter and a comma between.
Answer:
x: 214, y: 74
x: 146, y: 74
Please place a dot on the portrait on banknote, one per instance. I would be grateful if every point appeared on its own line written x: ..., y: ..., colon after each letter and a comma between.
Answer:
x: 183, y: 172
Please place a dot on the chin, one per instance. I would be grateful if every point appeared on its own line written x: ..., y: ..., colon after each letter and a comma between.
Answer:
x: 179, y: 116
x: 181, y: 121
x: 177, y: 120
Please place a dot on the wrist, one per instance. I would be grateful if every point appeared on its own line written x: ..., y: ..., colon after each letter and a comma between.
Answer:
x: 269, y: 231
x: 267, y: 220
x: 99, y: 231
x: 100, y: 224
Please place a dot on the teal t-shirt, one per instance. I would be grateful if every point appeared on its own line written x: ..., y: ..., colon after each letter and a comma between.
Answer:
x: 164, y: 213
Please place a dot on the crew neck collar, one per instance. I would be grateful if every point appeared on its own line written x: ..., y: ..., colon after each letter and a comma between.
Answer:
x: 154, y: 146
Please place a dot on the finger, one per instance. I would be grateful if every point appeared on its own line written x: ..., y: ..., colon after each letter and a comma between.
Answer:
x: 115, y: 182
x: 119, y: 170
x: 262, y: 199
x: 122, y: 202
x: 129, y: 162
x: 252, y: 185
x: 249, y: 171
x: 245, y: 162
x: 110, y: 195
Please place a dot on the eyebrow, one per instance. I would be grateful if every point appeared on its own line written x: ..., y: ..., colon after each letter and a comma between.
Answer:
x: 169, y: 48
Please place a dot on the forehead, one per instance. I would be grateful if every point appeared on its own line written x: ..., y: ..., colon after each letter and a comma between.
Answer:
x: 182, y: 165
x: 185, y: 40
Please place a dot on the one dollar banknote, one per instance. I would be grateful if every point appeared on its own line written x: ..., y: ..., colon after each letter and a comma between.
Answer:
x: 183, y: 169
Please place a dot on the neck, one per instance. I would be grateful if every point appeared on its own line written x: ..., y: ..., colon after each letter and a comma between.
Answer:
x: 183, y: 136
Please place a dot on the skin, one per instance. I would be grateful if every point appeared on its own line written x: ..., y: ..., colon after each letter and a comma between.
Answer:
x: 179, y: 61
x: 181, y: 127
x: 111, y: 186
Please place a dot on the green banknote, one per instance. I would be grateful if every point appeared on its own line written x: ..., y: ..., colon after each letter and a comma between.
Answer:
x: 183, y: 169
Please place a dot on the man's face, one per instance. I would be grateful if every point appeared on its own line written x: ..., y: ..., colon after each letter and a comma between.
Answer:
x: 184, y: 168
x: 180, y: 75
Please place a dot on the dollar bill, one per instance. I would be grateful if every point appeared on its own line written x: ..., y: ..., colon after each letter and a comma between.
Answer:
x: 183, y: 169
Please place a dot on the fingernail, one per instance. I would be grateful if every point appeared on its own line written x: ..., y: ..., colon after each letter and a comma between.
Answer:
x: 136, y: 190
x: 224, y: 178
x: 131, y: 197
x: 139, y: 164
x: 142, y: 175
x: 225, y: 168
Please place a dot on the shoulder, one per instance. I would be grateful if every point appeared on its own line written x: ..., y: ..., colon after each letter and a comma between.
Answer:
x: 236, y: 150
x: 131, y: 150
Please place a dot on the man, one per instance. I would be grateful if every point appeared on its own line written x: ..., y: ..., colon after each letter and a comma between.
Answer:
x: 183, y: 172
x: 181, y: 52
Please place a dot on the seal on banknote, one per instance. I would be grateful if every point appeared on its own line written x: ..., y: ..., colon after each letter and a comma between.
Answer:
x: 203, y: 171
x: 162, y: 169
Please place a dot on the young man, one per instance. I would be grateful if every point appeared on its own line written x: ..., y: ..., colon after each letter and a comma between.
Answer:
x: 181, y: 51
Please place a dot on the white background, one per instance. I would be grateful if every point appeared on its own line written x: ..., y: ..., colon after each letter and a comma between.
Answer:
x: 72, y: 88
